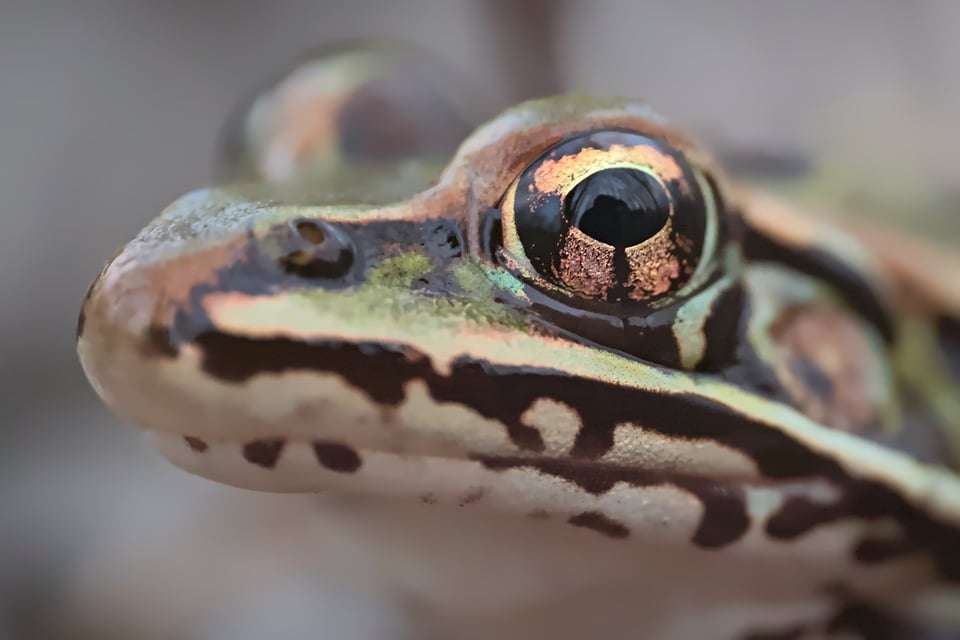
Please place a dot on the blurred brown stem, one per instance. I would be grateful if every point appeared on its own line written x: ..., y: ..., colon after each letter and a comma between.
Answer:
x: 525, y: 37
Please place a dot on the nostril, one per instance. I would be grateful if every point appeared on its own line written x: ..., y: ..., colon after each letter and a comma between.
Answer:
x: 311, y: 232
x: 320, y: 251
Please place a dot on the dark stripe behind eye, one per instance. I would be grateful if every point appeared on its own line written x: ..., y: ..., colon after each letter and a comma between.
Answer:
x: 855, y: 288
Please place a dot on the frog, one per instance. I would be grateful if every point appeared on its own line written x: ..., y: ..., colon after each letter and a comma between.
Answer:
x: 575, y: 322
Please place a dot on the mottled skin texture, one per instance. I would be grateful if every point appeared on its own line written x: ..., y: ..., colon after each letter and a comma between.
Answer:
x: 397, y: 330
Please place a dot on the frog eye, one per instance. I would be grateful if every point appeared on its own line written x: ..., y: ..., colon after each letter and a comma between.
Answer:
x: 610, y: 216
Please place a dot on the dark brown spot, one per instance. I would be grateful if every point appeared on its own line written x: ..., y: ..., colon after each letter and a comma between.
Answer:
x: 725, y: 517
x: 800, y: 514
x: 428, y: 498
x: 472, y: 496
x: 874, y: 550
x: 336, y: 457
x: 196, y: 444
x: 600, y: 523
x: 453, y: 241
x: 263, y: 453
x: 539, y: 514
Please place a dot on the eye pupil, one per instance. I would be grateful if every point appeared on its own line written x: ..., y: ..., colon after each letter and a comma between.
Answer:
x: 618, y: 207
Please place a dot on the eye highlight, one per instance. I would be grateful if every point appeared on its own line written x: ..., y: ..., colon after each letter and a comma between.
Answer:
x: 610, y: 216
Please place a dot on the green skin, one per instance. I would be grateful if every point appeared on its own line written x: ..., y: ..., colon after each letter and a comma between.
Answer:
x: 254, y: 364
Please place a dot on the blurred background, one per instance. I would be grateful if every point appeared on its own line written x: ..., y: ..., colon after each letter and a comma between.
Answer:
x: 109, y: 110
